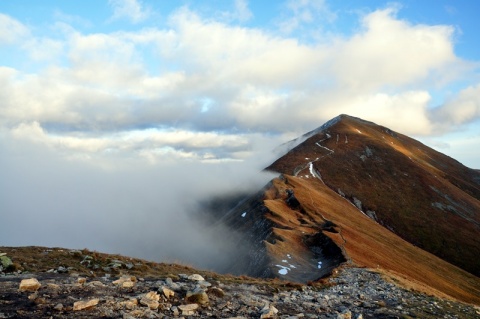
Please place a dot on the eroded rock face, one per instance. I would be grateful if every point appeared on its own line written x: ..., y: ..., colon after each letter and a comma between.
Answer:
x: 353, y: 293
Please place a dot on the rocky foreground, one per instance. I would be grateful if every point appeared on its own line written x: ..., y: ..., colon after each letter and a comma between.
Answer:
x: 63, y: 292
x: 356, y: 293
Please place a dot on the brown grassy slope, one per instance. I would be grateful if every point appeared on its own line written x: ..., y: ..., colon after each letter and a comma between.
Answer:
x: 369, y: 244
x: 422, y: 195
x: 36, y: 259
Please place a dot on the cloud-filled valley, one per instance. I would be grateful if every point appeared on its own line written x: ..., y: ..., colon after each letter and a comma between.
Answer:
x: 148, y: 211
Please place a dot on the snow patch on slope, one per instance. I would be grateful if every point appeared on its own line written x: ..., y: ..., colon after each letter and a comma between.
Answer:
x: 288, y: 146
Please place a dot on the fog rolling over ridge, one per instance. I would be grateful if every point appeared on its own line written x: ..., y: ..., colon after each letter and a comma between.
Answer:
x: 140, y: 210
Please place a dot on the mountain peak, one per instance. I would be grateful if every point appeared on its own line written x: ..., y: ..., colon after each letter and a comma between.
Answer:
x: 342, y: 118
x: 396, y: 181
x: 352, y: 191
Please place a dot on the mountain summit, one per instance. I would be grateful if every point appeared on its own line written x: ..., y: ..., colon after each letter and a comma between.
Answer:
x: 354, y: 192
x: 423, y: 196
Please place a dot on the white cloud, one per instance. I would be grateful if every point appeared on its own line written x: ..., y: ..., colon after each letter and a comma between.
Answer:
x: 45, y: 49
x: 132, y: 10
x: 405, y: 112
x: 392, y: 52
x: 152, y: 144
x: 11, y: 30
x: 253, y: 81
x: 242, y: 12
x: 462, y: 109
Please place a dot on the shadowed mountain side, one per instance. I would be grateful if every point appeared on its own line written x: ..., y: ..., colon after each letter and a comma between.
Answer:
x: 299, y: 229
x: 427, y: 198
x: 271, y: 244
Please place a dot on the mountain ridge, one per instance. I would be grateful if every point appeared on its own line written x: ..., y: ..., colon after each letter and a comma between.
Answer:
x: 353, y: 192
x: 356, y: 158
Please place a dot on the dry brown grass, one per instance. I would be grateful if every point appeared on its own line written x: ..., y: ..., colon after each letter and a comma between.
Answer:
x: 371, y: 245
x: 401, y: 180
x: 35, y: 259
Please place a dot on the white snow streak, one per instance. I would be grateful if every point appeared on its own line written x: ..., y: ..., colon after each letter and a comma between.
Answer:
x: 324, y: 147
x: 283, y: 270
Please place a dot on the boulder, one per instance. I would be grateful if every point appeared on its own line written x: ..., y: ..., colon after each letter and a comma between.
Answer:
x: 169, y: 293
x: 129, y: 304
x: 150, y: 300
x: 268, y: 312
x: 82, y: 305
x: 188, y: 310
x: 126, y: 281
x: 196, y: 277
x: 31, y: 284
x: 218, y: 292
x: 198, y: 296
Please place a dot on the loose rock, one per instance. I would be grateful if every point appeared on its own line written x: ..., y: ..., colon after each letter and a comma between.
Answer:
x: 31, y: 284
x: 188, y: 310
x: 150, y: 300
x: 196, y: 277
x: 353, y: 293
x: 198, y: 296
x: 82, y: 305
x: 168, y: 293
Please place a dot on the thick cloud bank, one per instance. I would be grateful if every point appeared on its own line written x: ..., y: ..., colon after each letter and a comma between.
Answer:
x: 140, y: 209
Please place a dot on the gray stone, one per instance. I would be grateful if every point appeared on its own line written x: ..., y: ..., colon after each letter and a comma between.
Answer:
x: 188, y: 310
x: 62, y: 270
x: 195, y: 277
x: 268, y: 312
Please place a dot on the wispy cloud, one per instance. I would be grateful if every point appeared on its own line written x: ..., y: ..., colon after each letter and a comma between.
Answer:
x: 11, y: 30
x: 305, y: 12
x: 242, y: 12
x: 239, y: 13
x: 132, y: 10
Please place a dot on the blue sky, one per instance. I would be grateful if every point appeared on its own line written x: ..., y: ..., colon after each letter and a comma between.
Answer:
x: 175, y: 87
